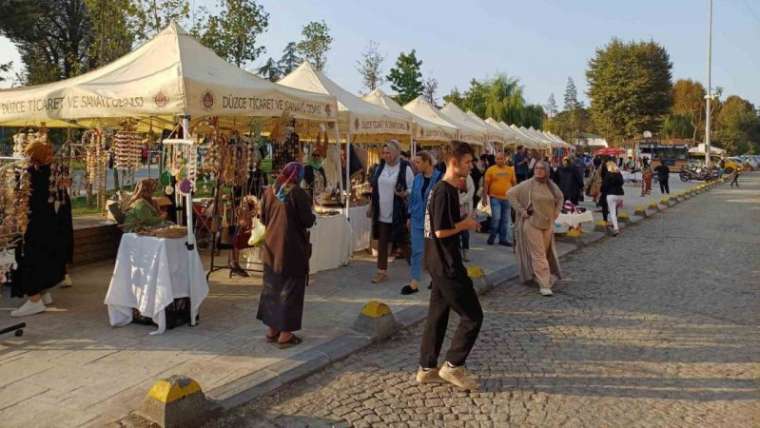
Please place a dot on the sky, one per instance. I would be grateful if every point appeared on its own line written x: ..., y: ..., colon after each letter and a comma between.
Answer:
x: 540, y: 42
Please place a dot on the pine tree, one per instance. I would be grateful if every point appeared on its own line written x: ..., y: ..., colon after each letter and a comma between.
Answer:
x: 406, y: 77
x: 551, y: 106
x: 290, y: 59
x: 571, y: 96
x: 270, y: 70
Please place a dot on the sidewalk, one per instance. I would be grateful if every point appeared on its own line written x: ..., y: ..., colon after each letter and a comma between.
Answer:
x: 72, y: 369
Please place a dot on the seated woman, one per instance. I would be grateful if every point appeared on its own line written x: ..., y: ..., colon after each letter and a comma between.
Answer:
x: 141, y: 211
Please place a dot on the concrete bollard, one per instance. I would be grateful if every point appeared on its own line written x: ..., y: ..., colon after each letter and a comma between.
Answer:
x: 175, y: 402
x: 623, y: 216
x: 640, y: 211
x: 573, y: 233
x: 600, y: 226
x: 376, y: 320
x: 654, y: 206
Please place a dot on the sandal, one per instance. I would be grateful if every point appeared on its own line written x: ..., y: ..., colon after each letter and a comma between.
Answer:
x: 271, y: 339
x: 293, y: 341
x: 379, y: 277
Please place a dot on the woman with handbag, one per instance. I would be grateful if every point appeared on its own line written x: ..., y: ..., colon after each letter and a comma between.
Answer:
x: 537, y: 203
x: 390, y: 182
x: 613, y: 188
x: 287, y: 214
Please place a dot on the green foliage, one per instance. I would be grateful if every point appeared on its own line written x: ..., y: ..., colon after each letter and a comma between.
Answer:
x: 270, y: 70
x: 455, y: 97
x: 738, y: 126
x: 570, y: 125
x: 689, y: 104
x: 112, y: 34
x: 406, y: 77
x: 677, y: 126
x: 152, y: 16
x: 551, y: 106
x: 290, y: 59
x: 571, y: 95
x: 315, y: 44
x: 630, y: 88
x: 370, y: 66
x: 233, y: 33
x: 4, y: 69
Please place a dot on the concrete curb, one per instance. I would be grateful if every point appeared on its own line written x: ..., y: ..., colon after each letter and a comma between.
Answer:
x: 299, y: 366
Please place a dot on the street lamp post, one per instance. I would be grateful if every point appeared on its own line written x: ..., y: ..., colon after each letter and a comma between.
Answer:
x: 709, y: 95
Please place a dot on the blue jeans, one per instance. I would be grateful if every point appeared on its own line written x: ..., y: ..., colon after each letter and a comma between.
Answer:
x: 501, y: 219
x: 418, y: 249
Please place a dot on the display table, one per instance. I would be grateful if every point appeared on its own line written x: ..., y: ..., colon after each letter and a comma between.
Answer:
x: 574, y: 220
x: 149, y: 274
x: 330, y: 243
x: 361, y: 227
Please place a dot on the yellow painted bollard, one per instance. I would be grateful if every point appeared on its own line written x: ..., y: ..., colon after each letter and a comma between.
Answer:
x: 623, y: 216
x: 600, y: 226
x: 574, y: 233
x: 640, y: 211
x: 177, y: 401
x: 376, y: 320
x: 653, y: 206
x: 375, y: 309
x: 475, y: 272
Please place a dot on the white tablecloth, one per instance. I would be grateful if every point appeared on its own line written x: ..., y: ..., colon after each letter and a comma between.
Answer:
x: 573, y: 220
x: 361, y: 227
x: 149, y: 274
x: 331, y: 244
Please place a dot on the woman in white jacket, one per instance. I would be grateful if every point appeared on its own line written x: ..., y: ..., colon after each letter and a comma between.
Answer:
x: 466, y: 200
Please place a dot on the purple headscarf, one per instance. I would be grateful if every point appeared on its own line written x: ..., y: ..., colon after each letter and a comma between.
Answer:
x: 291, y: 173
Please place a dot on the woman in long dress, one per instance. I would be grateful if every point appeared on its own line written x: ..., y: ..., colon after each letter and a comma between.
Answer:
x: 48, y: 241
x: 287, y: 214
x: 537, y: 203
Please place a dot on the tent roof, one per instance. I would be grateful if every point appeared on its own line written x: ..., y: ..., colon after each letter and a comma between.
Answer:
x: 469, y: 131
x: 172, y: 74
x: 365, y: 117
x: 492, y: 135
x: 506, y: 138
x: 433, y: 126
x: 515, y: 136
x: 700, y: 149
x: 528, y: 140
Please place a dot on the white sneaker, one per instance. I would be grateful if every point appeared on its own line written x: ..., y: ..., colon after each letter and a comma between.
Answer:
x: 545, y: 292
x: 459, y: 377
x: 29, y: 308
x: 47, y: 299
x: 66, y: 283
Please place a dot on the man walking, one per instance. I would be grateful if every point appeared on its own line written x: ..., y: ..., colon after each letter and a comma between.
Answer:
x: 520, y: 161
x: 663, y: 175
x: 452, y: 287
x: 499, y: 179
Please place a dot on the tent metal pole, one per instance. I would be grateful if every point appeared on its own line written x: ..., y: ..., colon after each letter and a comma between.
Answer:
x: 189, y: 195
x: 348, y: 188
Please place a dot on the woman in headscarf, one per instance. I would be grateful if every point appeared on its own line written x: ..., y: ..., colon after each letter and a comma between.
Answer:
x: 287, y: 214
x: 141, y: 211
x: 391, y: 182
x: 48, y: 240
x: 537, y: 203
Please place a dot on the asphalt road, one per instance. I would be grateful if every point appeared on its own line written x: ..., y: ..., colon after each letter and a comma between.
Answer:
x: 657, y: 327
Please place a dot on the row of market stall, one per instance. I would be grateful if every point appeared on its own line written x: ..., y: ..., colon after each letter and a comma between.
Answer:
x: 227, y: 123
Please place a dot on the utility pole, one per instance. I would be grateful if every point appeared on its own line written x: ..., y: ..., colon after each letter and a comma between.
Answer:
x: 709, y: 95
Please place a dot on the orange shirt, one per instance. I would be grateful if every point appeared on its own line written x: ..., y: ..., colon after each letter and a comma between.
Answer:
x: 499, y: 179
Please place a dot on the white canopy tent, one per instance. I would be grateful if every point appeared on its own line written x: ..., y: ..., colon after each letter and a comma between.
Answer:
x: 535, y: 143
x: 443, y: 131
x: 423, y: 129
x: 493, y: 135
x: 507, y: 138
x: 170, y: 75
x: 356, y: 117
x: 700, y: 150
x: 516, y: 137
x: 469, y: 132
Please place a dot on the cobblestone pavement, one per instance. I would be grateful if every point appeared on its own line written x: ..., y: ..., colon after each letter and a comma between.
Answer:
x: 658, y: 327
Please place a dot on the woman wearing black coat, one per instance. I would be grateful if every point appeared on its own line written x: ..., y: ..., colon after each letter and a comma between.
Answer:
x: 570, y: 181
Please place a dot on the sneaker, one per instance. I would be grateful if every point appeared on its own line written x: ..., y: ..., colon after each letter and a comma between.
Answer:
x: 47, y: 299
x: 459, y: 377
x: 546, y: 292
x: 505, y: 244
x: 491, y: 240
x: 408, y: 289
x: 29, y: 308
x: 428, y: 376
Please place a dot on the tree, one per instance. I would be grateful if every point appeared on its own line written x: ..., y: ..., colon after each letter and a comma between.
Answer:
x: 406, y: 77
x: 551, y: 106
x: 429, y: 89
x: 571, y: 95
x: 677, y: 126
x: 290, y: 59
x: 5, y: 68
x: 370, y: 66
x: 454, y: 97
x: 233, y: 33
x: 570, y: 125
x: 738, y: 126
x: 689, y: 104
x: 533, y: 116
x: 152, y: 16
x: 270, y: 70
x: 315, y: 44
x: 112, y: 33
x: 504, y: 99
x: 630, y: 88
x: 52, y: 36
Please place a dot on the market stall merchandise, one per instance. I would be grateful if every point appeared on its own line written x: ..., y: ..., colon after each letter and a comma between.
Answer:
x: 151, y: 274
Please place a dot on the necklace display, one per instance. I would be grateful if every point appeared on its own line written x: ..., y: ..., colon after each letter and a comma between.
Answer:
x: 14, y: 212
x: 182, y: 164
x: 127, y: 149
x: 96, y: 160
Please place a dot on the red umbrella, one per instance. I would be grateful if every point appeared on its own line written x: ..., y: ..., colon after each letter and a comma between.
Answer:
x: 610, y: 151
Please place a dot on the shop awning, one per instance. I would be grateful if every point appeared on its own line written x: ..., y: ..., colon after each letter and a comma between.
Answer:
x: 361, y: 117
x: 424, y: 129
x: 443, y: 131
x: 494, y: 136
x: 172, y: 74
x: 469, y: 131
